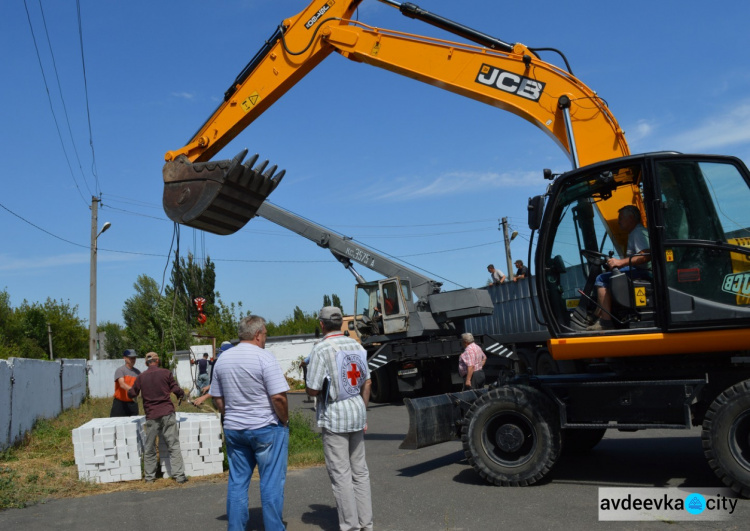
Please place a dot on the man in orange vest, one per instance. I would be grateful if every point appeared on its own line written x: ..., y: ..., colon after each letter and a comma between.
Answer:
x: 123, y: 405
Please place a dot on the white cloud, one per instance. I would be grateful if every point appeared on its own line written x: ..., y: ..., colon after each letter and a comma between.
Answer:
x: 721, y: 131
x: 19, y: 263
x: 642, y: 130
x: 10, y: 263
x: 184, y: 95
x: 455, y: 183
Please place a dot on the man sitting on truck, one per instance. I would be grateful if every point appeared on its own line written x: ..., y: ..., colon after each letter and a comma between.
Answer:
x: 636, y: 263
x: 498, y: 277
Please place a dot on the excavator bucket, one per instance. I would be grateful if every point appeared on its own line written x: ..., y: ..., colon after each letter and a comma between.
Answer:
x: 436, y: 419
x: 217, y: 196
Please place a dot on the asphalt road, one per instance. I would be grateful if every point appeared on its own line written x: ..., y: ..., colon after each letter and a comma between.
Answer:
x: 429, y: 489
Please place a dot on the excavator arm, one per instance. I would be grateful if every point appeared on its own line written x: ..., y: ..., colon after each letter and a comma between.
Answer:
x: 222, y: 196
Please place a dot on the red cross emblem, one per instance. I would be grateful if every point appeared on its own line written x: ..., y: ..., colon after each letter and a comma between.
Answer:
x: 353, y: 374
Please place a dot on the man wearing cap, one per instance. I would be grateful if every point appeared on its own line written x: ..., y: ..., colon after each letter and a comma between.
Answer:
x: 123, y: 405
x: 249, y: 389
x: 339, y: 377
x: 156, y: 385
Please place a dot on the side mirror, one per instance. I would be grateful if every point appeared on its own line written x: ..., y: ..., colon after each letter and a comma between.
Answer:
x: 536, y: 211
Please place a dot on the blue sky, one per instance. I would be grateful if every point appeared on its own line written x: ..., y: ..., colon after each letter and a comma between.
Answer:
x: 405, y: 168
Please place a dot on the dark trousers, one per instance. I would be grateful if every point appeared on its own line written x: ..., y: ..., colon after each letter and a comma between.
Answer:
x: 123, y: 409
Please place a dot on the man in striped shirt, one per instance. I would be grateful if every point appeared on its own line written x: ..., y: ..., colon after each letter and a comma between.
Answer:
x: 249, y: 390
x: 339, y: 377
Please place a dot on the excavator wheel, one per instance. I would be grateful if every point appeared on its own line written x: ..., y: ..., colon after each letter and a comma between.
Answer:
x: 726, y: 437
x: 511, y: 435
x: 216, y: 196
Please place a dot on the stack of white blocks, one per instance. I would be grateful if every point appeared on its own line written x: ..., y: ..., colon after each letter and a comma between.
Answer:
x: 200, y: 443
x: 108, y: 450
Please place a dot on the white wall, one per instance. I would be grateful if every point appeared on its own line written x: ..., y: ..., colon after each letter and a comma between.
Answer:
x: 102, y: 376
x: 288, y: 351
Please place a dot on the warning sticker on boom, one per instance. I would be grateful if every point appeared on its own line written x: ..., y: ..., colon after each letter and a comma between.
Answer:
x: 250, y: 102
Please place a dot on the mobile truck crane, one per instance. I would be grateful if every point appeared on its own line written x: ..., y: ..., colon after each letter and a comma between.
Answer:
x: 677, y: 354
x: 412, y: 345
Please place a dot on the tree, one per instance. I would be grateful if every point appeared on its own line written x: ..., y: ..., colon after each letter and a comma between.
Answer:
x: 222, y: 324
x: 326, y: 300
x: 191, y: 280
x: 115, y: 339
x: 337, y: 302
x: 155, y: 323
x: 298, y: 323
x: 24, y: 330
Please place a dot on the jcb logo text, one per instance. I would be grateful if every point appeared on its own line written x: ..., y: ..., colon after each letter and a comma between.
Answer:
x: 322, y: 11
x: 509, y: 82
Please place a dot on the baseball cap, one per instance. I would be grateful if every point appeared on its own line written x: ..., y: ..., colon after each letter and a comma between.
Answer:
x: 129, y: 353
x: 330, y: 313
x: 151, y: 356
x: 225, y: 345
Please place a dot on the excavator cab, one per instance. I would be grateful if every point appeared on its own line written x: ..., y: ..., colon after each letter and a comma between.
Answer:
x: 698, y: 226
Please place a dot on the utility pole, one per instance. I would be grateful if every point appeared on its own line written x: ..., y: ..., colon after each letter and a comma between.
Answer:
x: 92, y: 282
x: 506, y: 237
x: 49, y: 335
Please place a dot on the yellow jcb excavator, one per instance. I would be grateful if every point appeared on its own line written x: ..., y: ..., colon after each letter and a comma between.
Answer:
x: 675, y: 352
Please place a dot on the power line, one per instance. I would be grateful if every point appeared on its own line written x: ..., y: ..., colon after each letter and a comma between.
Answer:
x: 86, y: 92
x: 49, y: 99
x: 62, y: 97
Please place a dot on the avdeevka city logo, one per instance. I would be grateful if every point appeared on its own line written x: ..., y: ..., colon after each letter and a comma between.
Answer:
x: 665, y: 504
x: 695, y: 503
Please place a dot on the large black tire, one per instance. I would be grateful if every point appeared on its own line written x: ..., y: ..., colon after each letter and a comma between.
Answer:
x: 381, y: 388
x: 511, y: 435
x: 726, y: 437
x: 580, y: 441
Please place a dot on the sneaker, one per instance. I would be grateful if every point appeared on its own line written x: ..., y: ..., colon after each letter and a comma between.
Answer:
x: 600, y: 324
x: 182, y: 480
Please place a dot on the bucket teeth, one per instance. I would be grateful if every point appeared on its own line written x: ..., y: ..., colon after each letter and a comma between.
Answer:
x: 217, y: 196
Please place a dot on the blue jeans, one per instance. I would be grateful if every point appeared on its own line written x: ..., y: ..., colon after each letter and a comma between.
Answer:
x: 603, y: 280
x: 268, y: 448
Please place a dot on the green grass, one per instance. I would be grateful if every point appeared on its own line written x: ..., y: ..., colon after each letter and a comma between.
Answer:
x: 42, y: 465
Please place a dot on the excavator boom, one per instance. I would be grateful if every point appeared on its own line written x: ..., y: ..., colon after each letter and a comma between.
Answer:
x: 510, y: 77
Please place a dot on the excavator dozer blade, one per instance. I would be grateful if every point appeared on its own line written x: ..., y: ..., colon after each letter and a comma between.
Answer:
x: 217, y: 196
x: 436, y: 419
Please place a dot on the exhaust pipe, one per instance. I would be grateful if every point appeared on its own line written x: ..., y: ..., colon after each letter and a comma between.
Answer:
x: 217, y: 196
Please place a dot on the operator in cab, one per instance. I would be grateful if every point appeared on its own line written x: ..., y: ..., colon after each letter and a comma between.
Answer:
x: 636, y: 263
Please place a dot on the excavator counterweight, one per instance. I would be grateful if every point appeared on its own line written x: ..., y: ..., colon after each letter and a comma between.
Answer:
x: 217, y: 196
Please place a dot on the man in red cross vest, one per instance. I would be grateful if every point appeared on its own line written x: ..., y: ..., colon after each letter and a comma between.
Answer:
x: 338, y: 375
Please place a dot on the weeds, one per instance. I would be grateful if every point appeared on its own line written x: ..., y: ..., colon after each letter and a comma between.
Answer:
x: 42, y: 465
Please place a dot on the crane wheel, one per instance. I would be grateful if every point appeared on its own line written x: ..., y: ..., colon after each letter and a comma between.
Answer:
x: 511, y: 435
x: 726, y: 437
x: 381, y: 390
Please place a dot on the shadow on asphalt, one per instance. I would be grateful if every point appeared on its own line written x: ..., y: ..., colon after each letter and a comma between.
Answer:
x: 373, y: 405
x: 639, y: 461
x: 432, y: 464
x: 324, y: 517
